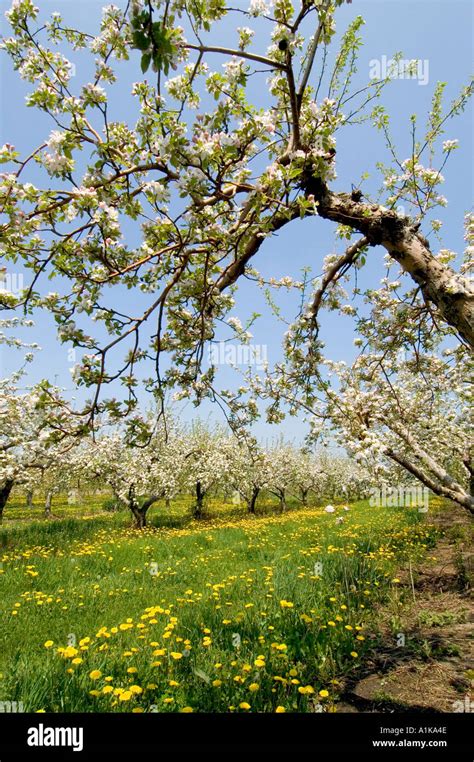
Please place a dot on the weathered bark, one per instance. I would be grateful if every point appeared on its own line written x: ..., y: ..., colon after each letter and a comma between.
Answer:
x: 458, y: 496
x: 140, y: 517
x: 281, y: 495
x: 304, y: 496
x: 469, y: 466
x: 140, y: 511
x: 4, y: 495
x: 282, y: 499
x: 253, y: 499
x: 47, y: 504
x: 452, y: 293
x: 438, y: 471
x: 199, y: 505
x: 29, y: 498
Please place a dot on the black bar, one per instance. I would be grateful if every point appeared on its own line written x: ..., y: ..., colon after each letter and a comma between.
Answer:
x: 445, y: 736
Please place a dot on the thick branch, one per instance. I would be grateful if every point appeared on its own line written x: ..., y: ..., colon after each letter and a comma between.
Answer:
x: 439, y: 489
x: 425, y: 458
x: 336, y: 271
x: 232, y: 273
x: 452, y: 294
x: 238, y: 54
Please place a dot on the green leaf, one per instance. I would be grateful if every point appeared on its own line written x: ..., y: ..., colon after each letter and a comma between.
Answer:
x: 157, y: 32
x: 140, y: 41
x: 145, y: 62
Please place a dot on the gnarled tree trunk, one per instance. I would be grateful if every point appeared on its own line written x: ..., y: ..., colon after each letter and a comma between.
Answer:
x: 199, y: 505
x: 5, y: 490
x: 140, y: 511
x: 47, y: 504
x: 253, y: 499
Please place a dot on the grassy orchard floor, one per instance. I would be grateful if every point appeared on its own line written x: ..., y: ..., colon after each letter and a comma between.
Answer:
x: 166, y: 641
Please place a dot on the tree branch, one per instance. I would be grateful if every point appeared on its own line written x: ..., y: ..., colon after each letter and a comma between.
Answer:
x: 237, y: 53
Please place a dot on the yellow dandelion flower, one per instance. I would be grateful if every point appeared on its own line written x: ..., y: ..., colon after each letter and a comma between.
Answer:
x: 95, y: 674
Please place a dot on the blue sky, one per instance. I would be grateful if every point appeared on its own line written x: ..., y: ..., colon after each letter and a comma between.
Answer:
x: 439, y: 32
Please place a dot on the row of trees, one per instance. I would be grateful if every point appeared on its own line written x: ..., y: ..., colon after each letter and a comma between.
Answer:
x: 195, y: 461
x: 202, y: 462
x: 397, y: 416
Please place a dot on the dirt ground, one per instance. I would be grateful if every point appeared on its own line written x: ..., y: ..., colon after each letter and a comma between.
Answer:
x: 423, y: 654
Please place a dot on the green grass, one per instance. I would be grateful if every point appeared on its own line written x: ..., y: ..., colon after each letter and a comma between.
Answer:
x: 225, y: 613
